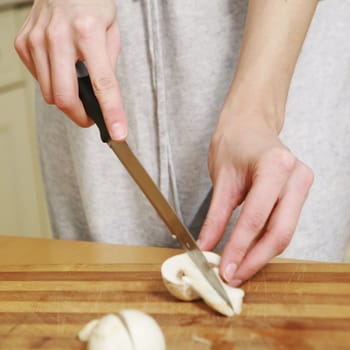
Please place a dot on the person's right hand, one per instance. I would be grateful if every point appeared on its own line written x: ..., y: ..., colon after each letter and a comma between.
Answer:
x: 55, y: 35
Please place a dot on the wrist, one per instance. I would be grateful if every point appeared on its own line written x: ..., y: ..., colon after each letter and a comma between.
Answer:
x: 254, y: 103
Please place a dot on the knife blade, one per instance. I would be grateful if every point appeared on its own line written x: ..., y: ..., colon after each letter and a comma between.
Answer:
x: 146, y: 184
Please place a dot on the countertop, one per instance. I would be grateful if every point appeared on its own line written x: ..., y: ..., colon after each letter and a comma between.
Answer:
x: 41, y: 251
x: 49, y: 289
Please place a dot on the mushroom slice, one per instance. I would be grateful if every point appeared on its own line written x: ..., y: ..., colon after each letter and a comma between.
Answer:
x: 128, y: 330
x: 184, y: 281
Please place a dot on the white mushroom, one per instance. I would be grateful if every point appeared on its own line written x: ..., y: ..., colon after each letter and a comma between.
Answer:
x: 183, y: 280
x: 128, y: 330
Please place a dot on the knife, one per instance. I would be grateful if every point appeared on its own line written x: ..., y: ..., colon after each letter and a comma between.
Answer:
x: 146, y: 184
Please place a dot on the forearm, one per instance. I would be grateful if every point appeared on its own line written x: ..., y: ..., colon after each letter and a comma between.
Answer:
x: 274, y: 33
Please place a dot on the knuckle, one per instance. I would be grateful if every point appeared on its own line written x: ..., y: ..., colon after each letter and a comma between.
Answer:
x: 255, y: 221
x: 54, y: 33
x: 62, y: 101
x: 282, y: 160
x: 84, y: 26
x: 104, y: 83
x: 237, y: 193
x: 35, y: 38
x: 19, y: 43
x: 239, y: 252
x: 224, y: 212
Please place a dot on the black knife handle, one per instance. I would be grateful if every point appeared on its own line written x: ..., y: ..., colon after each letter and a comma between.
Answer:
x: 91, y: 105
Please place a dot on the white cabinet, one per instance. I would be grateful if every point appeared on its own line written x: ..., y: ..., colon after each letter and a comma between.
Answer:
x: 23, y: 209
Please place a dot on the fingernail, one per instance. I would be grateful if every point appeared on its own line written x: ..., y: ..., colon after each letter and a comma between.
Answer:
x: 199, y: 242
x: 118, y: 131
x: 230, y: 272
x: 235, y: 283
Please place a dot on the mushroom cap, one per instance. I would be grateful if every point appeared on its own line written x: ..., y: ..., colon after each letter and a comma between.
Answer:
x: 129, y: 330
x: 183, y: 280
x: 107, y: 333
x: 144, y: 330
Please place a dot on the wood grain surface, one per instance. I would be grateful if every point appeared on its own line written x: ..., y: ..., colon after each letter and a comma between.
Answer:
x: 287, y: 306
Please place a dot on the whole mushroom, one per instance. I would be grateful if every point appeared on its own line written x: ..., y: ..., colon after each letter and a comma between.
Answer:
x: 128, y: 330
x: 184, y: 281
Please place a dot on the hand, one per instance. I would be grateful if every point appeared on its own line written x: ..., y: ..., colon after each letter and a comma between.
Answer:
x: 248, y: 164
x: 55, y: 35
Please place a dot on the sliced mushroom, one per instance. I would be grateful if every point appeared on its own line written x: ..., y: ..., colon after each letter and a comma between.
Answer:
x: 128, y: 330
x: 184, y: 281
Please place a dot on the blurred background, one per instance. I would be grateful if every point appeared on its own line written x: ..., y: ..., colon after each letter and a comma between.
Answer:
x: 23, y: 210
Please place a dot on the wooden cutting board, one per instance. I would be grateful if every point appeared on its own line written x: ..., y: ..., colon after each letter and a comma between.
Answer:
x: 287, y: 306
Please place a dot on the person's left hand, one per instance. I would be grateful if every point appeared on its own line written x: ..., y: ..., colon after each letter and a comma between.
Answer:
x: 248, y: 164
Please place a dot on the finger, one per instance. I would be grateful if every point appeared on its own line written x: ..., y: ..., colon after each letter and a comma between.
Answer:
x: 94, y: 51
x: 36, y: 43
x: 224, y: 200
x: 271, y: 177
x: 64, y: 84
x: 113, y: 44
x: 22, y: 48
x: 281, y: 226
